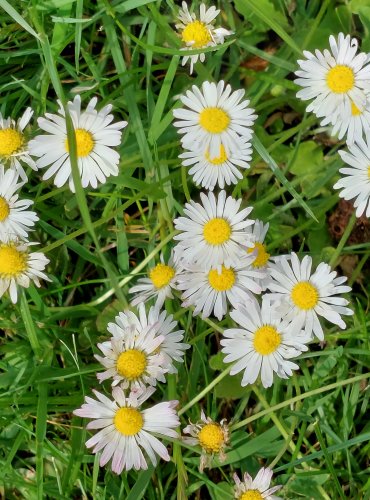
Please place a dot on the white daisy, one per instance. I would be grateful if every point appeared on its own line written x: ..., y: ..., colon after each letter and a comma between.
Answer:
x: 356, y: 183
x: 13, y: 143
x: 126, y: 430
x: 19, y: 267
x: 210, y: 290
x: 261, y: 256
x: 257, y: 488
x: 95, y: 136
x: 263, y: 345
x: 159, y: 284
x: 221, y: 169
x: 354, y: 124
x: 216, y: 116
x: 214, y: 232
x: 301, y: 296
x: 198, y: 34
x: 334, y: 80
x: 15, y: 220
x: 211, y: 436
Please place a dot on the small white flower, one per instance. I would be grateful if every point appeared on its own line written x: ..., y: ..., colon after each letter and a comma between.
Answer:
x: 19, y: 267
x: 212, y: 436
x: 95, y: 136
x: 13, y: 143
x: 126, y: 430
x: 356, y: 183
x: 210, y: 290
x: 199, y: 33
x: 222, y: 169
x: 216, y: 116
x: 214, y: 232
x: 159, y: 284
x: 257, y: 488
x: 263, y: 345
x: 301, y: 296
x: 15, y: 219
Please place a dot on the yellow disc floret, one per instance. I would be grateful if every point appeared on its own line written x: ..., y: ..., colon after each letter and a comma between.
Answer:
x: 197, y: 34
x: 10, y: 141
x: 12, y: 261
x: 161, y: 275
x: 131, y: 364
x: 4, y: 209
x: 218, y: 160
x: 304, y: 295
x: 216, y: 231
x: 340, y: 79
x: 84, y: 142
x: 221, y: 281
x: 211, y: 438
x: 214, y: 120
x: 355, y: 110
x: 128, y: 421
x: 251, y: 495
x: 266, y: 340
x: 262, y: 256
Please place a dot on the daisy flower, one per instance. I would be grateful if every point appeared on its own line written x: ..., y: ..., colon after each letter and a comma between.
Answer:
x: 216, y: 116
x: 13, y: 143
x: 159, y: 284
x: 336, y: 79
x: 211, y: 290
x: 19, y: 267
x: 356, y: 183
x: 302, y: 297
x: 257, y: 488
x: 126, y: 430
x: 211, y: 436
x: 15, y: 219
x: 263, y: 345
x: 214, y: 232
x: 222, y: 169
x: 261, y: 256
x: 198, y: 34
x: 95, y: 136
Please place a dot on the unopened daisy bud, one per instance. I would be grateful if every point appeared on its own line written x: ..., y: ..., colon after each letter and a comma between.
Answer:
x: 199, y: 33
x: 257, y: 488
x: 19, y: 267
x: 211, y: 436
x: 126, y: 430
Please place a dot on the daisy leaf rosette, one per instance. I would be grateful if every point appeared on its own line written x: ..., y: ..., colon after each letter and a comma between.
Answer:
x: 302, y: 297
x: 263, y: 345
x: 95, y: 136
x: 125, y: 430
x: 213, y: 232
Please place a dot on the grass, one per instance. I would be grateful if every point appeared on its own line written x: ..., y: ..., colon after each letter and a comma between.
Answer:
x: 312, y: 429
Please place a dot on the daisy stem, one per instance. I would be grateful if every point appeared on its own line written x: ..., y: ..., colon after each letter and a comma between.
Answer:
x: 205, y: 390
x: 30, y: 325
x: 343, y: 240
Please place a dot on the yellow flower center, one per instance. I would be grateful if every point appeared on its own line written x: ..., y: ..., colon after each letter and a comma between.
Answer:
x: 368, y: 172
x: 10, y: 141
x: 221, y: 281
x: 340, y: 79
x: 128, y: 421
x: 84, y: 142
x: 161, y: 275
x: 216, y: 231
x: 198, y: 33
x: 211, y: 438
x: 304, y: 295
x: 355, y: 110
x: 131, y: 364
x: 12, y: 261
x: 266, y: 340
x: 251, y: 495
x: 218, y: 160
x: 262, y: 256
x: 214, y: 120
x: 4, y: 209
